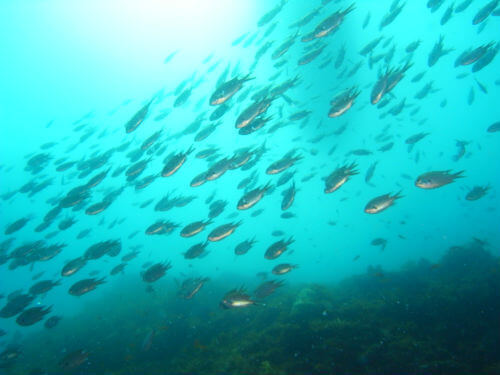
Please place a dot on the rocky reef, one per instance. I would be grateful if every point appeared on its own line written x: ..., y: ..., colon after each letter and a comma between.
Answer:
x: 427, y: 318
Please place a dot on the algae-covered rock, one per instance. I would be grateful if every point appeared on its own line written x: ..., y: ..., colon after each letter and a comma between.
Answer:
x: 308, y: 302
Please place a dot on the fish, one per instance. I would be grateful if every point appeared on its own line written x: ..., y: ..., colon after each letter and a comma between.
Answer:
x: 412, y: 140
x: 434, y: 5
x: 239, y: 39
x: 283, y: 268
x: 366, y: 20
x: 267, y: 288
x: 250, y: 113
x: 370, y: 46
x: 73, y: 266
x: 196, y: 251
x: 424, y: 91
x: 74, y: 359
x: 288, y: 197
x: 437, y: 52
x: 183, y: 97
x: 194, y: 228
x: 311, y: 56
x: 387, y: 81
x: 370, y: 172
x: 284, y: 163
x: 191, y: 287
x: 493, y: 128
x: 461, y: 149
x: 343, y: 102
x: 43, y: 286
x: 111, y: 248
x: 227, y: 90
x: 252, y: 197
x: 412, y: 47
x: 477, y: 192
x: 84, y: 286
x: 382, y: 242
x: 17, y: 302
x: 155, y: 272
x: 471, y: 97
x: 486, y: 59
x: 170, y: 57
x: 175, y: 162
x: 223, y: 231
x: 472, y: 55
x: 236, y: 298
x: 269, y: 16
x: 52, y: 322
x: 118, y: 269
x: 306, y: 19
x: 447, y: 15
x: 463, y: 6
x: 138, y: 118
x: 161, y: 227
x: 340, y: 57
x: 481, y: 86
x: 32, y: 315
x: 484, y: 12
x: 329, y: 25
x: 381, y: 203
x: 436, y: 179
x: 339, y: 177
x: 278, y: 248
x: 243, y: 247
x: 391, y: 15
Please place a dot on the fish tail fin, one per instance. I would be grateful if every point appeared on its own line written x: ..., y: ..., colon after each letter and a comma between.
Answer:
x: 248, y: 77
x: 267, y: 186
x: 349, y: 9
x: 398, y: 195
x: 407, y: 66
x: 458, y: 174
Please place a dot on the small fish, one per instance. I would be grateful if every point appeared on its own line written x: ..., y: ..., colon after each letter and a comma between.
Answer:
x: 484, y: 12
x: 74, y: 359
x: 227, y: 90
x: 194, y: 228
x: 223, y: 231
x: 370, y: 171
x: 382, y: 242
x: 437, y: 52
x: 477, y: 192
x: 381, y: 203
x: 339, y: 177
x: 138, y: 118
x: 243, y: 247
x: 236, y: 298
x: 493, y: 128
x: 252, y: 197
x: 278, y: 248
x: 461, y: 150
x: 436, y: 179
x: 155, y: 272
x: 447, y: 15
x: 283, y: 268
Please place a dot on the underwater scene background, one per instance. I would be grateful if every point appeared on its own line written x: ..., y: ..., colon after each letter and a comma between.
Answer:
x: 249, y: 187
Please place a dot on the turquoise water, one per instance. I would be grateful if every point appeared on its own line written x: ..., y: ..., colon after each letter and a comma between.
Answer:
x: 73, y: 75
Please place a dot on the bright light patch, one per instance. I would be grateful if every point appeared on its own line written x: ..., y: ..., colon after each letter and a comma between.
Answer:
x: 189, y: 25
